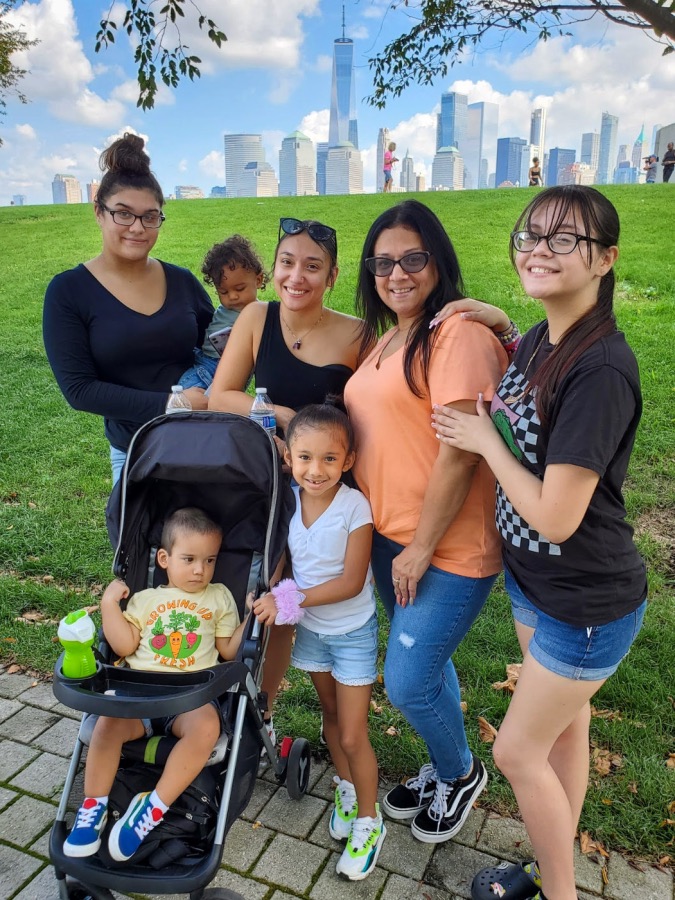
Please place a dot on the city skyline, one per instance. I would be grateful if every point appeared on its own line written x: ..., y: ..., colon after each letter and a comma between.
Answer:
x: 273, y: 78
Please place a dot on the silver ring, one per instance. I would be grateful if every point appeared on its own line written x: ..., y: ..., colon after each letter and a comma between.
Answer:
x: 395, y: 580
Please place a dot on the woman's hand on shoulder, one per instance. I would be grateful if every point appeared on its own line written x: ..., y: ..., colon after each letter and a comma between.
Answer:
x: 475, y: 311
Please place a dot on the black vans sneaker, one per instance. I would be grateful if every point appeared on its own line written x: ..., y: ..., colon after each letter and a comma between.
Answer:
x: 450, y: 806
x: 406, y: 800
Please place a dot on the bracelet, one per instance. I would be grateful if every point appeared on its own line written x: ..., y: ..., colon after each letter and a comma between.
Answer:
x: 513, y: 346
x: 288, y: 598
x: 511, y: 334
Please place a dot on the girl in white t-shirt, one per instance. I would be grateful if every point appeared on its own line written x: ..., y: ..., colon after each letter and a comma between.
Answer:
x: 331, y: 598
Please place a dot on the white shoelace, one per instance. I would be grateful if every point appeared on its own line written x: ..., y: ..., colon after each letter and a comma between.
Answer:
x: 419, y: 782
x: 438, y: 806
x: 362, y: 830
x: 145, y: 824
x: 87, y: 816
x: 347, y: 793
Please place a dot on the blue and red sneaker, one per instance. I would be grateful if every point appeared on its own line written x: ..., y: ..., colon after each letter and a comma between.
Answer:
x: 85, y: 838
x: 136, y: 823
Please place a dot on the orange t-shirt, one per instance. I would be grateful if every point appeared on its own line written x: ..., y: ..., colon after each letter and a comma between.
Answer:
x: 397, y: 447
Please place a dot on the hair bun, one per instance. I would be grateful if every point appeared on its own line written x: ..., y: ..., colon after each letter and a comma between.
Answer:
x: 126, y: 155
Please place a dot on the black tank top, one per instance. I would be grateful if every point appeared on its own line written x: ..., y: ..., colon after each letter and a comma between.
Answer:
x: 290, y: 381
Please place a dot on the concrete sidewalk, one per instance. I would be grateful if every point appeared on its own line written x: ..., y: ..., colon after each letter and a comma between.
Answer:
x: 279, y: 849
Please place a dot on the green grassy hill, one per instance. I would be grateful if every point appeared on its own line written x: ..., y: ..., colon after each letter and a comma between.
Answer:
x: 54, y: 470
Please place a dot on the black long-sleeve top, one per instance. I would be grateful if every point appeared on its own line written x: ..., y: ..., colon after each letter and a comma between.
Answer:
x: 113, y: 361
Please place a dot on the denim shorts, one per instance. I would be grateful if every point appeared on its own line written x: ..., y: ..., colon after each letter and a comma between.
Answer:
x: 579, y: 653
x: 201, y: 373
x: 350, y: 658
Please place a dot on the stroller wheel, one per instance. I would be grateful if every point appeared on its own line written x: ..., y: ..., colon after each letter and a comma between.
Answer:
x: 297, y: 772
x: 79, y: 891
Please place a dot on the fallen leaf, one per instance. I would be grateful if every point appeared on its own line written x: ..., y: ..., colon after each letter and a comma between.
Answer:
x: 380, y: 678
x: 607, y: 801
x: 604, y: 761
x: 47, y: 579
x: 670, y: 762
x: 666, y: 822
x: 664, y: 860
x: 13, y: 669
x: 633, y: 788
x: 634, y: 864
x: 512, y: 675
x: 605, y: 876
x: 375, y: 708
x: 486, y: 732
x: 463, y: 706
x: 671, y: 807
x: 256, y: 825
x: 9, y: 640
x: 391, y: 731
x: 96, y: 590
x: 609, y: 714
x: 32, y: 505
x: 588, y: 845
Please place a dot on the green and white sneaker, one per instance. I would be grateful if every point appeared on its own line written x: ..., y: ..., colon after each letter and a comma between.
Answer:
x: 345, y: 811
x: 363, y: 847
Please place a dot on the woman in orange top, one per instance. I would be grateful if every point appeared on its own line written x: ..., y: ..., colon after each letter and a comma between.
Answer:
x: 435, y: 549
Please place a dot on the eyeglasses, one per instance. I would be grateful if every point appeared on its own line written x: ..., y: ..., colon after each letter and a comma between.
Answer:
x: 125, y: 217
x: 410, y: 263
x: 315, y: 230
x: 562, y: 242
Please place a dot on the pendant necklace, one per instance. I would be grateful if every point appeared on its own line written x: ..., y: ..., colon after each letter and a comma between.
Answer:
x: 298, y: 340
x: 511, y: 399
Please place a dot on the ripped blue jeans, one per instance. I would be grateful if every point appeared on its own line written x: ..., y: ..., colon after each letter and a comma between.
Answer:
x: 418, y: 672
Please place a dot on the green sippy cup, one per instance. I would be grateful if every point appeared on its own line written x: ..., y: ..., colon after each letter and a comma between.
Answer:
x: 76, y: 633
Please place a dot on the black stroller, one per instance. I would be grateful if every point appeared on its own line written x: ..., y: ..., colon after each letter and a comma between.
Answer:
x: 228, y: 466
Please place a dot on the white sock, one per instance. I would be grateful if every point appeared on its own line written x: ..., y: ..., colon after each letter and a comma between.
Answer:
x: 155, y: 801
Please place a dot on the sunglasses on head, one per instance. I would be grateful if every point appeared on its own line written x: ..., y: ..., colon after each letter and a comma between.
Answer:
x: 315, y: 230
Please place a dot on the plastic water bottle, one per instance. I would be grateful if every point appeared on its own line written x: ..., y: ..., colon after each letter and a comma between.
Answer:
x: 76, y: 633
x: 177, y: 401
x: 262, y: 411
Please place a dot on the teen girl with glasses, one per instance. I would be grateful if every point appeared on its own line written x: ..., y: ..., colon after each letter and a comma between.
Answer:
x: 558, y: 437
x: 120, y: 329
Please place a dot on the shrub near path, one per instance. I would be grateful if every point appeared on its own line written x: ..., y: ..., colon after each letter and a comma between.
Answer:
x: 55, y: 478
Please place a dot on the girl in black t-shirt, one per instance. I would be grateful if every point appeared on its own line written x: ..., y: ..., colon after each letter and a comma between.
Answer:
x: 558, y: 437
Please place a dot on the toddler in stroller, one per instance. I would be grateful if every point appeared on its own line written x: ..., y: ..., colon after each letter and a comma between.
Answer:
x: 228, y: 468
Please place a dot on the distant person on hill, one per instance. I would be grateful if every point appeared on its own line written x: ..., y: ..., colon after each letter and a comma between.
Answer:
x: 237, y: 273
x: 668, y: 162
x: 121, y: 328
x: 389, y: 160
x: 534, y: 174
x: 650, y: 168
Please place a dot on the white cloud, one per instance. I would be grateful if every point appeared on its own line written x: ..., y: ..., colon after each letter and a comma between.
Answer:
x: 26, y: 131
x: 182, y: 166
x: 315, y: 125
x: 282, y: 90
x: 357, y: 33
x: 213, y: 164
x: 324, y: 63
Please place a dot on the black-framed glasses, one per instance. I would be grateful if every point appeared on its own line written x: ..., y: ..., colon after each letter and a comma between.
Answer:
x: 410, y: 263
x: 126, y: 217
x: 315, y: 230
x: 562, y: 242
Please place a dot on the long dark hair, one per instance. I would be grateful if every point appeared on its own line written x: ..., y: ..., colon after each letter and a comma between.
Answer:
x: 599, y: 219
x: 377, y: 317
x: 127, y: 165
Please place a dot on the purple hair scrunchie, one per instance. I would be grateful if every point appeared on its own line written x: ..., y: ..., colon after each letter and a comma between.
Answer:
x: 288, y: 598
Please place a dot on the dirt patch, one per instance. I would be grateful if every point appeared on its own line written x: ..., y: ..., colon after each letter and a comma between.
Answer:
x: 659, y: 524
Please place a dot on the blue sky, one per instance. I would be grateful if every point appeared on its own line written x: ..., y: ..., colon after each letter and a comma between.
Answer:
x: 273, y: 76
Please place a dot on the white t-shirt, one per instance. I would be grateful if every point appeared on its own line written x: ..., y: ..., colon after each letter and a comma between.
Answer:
x: 318, y: 554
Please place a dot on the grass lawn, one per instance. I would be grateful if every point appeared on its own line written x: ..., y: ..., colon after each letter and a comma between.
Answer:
x: 55, y: 476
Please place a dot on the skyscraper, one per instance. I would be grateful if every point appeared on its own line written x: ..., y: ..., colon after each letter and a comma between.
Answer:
x: 447, y: 171
x: 66, y: 189
x: 240, y: 150
x: 408, y: 181
x: 558, y: 159
x: 344, y: 170
x: 639, y: 153
x: 382, y: 142
x: 452, y: 122
x: 343, y: 126
x: 481, y: 143
x: 538, y: 133
x: 512, y: 152
x: 258, y: 180
x: 607, y: 155
x: 297, y: 166
x: 92, y: 190
x: 590, y: 149
x: 321, y: 157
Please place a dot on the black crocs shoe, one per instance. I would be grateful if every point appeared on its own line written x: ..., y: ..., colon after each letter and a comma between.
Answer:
x: 507, y: 881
